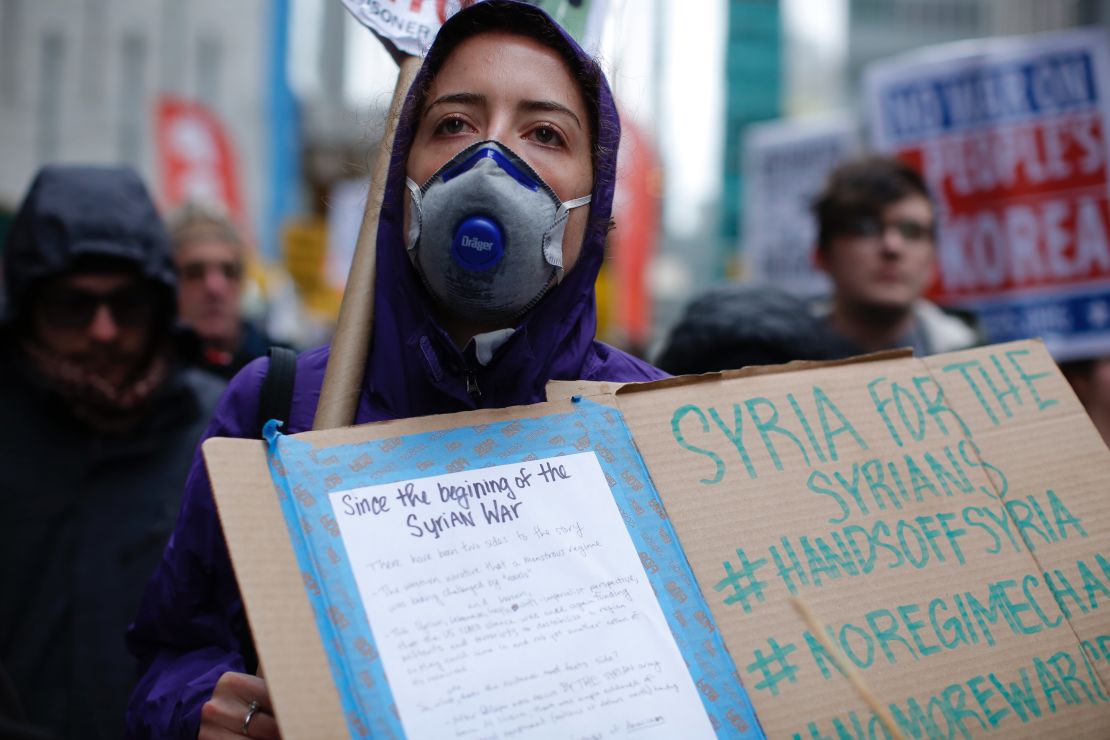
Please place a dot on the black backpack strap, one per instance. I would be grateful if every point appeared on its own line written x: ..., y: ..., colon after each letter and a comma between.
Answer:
x: 275, y: 399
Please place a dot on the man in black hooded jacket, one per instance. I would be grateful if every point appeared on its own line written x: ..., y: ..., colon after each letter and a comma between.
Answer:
x: 101, y: 418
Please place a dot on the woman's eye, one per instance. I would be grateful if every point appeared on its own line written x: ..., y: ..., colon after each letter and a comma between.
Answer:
x: 547, y: 135
x: 451, y: 126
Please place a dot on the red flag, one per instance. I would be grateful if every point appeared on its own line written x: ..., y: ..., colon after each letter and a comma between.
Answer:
x: 196, y: 158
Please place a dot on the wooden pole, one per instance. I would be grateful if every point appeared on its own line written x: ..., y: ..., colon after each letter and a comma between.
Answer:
x: 817, y: 627
x: 351, y: 343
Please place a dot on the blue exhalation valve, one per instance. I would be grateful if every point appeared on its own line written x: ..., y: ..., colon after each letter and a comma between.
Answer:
x: 478, y: 244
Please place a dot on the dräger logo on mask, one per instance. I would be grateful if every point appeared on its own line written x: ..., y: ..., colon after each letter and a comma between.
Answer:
x: 476, y: 244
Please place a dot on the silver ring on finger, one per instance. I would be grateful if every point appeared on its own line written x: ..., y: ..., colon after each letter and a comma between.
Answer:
x: 252, y: 708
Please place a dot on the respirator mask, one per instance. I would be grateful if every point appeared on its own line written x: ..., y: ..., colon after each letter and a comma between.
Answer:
x: 486, y: 234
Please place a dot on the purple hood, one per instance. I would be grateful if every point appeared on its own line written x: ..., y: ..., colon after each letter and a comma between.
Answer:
x: 556, y: 339
x: 191, y: 626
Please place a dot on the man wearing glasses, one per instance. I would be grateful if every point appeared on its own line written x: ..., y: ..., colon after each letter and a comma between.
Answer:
x: 877, y: 242
x: 101, y: 417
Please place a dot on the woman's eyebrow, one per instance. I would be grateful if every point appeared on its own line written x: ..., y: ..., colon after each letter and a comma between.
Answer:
x: 548, y: 106
x: 459, y: 98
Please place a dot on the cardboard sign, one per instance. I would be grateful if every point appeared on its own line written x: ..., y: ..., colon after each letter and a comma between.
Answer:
x: 945, y: 518
x: 1011, y: 136
x: 786, y: 163
x: 407, y: 25
x: 525, y: 535
x: 430, y: 557
x: 410, y: 25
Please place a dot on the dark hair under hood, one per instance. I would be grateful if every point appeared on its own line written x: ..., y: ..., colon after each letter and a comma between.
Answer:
x: 554, y: 339
x: 77, y: 218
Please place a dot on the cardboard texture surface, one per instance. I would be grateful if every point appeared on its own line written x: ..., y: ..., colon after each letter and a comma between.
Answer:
x: 915, y: 506
x: 945, y: 518
x: 284, y: 630
x: 411, y: 556
x: 558, y: 390
x: 305, y: 698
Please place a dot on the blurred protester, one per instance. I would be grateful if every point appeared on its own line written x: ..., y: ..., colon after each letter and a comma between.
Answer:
x: 733, y: 326
x: 1090, y: 379
x: 100, y: 422
x: 14, y: 724
x: 209, y: 254
x: 877, y: 242
x: 492, y: 234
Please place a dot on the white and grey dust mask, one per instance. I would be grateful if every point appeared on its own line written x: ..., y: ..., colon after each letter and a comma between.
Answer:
x: 486, y: 234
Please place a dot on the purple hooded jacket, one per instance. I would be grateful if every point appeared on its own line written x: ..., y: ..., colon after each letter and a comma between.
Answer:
x: 191, y: 627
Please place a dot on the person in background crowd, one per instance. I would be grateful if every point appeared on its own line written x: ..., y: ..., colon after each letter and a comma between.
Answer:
x: 209, y: 254
x: 732, y: 326
x: 877, y: 242
x: 492, y: 233
x: 101, y: 416
x: 1090, y: 379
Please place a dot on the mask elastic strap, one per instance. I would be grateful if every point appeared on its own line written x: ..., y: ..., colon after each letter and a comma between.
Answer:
x: 577, y: 202
x: 415, y: 217
x: 564, y: 209
x: 553, y: 248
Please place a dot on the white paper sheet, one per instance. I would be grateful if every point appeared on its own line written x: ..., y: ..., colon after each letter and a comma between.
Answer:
x: 510, y: 602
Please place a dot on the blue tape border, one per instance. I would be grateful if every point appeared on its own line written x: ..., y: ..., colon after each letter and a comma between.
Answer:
x: 305, y: 476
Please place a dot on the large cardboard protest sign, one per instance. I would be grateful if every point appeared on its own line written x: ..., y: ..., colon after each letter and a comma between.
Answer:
x: 483, y: 579
x: 786, y: 163
x: 498, y: 573
x: 1011, y: 136
x: 945, y: 518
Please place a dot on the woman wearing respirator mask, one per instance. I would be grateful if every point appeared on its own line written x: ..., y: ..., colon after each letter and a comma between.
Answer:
x: 491, y: 237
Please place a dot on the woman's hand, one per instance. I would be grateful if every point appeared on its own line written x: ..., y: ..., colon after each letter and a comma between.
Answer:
x: 224, y: 716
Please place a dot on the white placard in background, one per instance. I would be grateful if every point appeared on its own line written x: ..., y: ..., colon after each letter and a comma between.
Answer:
x: 786, y: 164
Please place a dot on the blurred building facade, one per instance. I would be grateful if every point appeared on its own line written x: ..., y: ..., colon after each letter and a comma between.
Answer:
x: 80, y: 81
x: 882, y: 28
x: 753, y: 93
x: 339, y: 130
